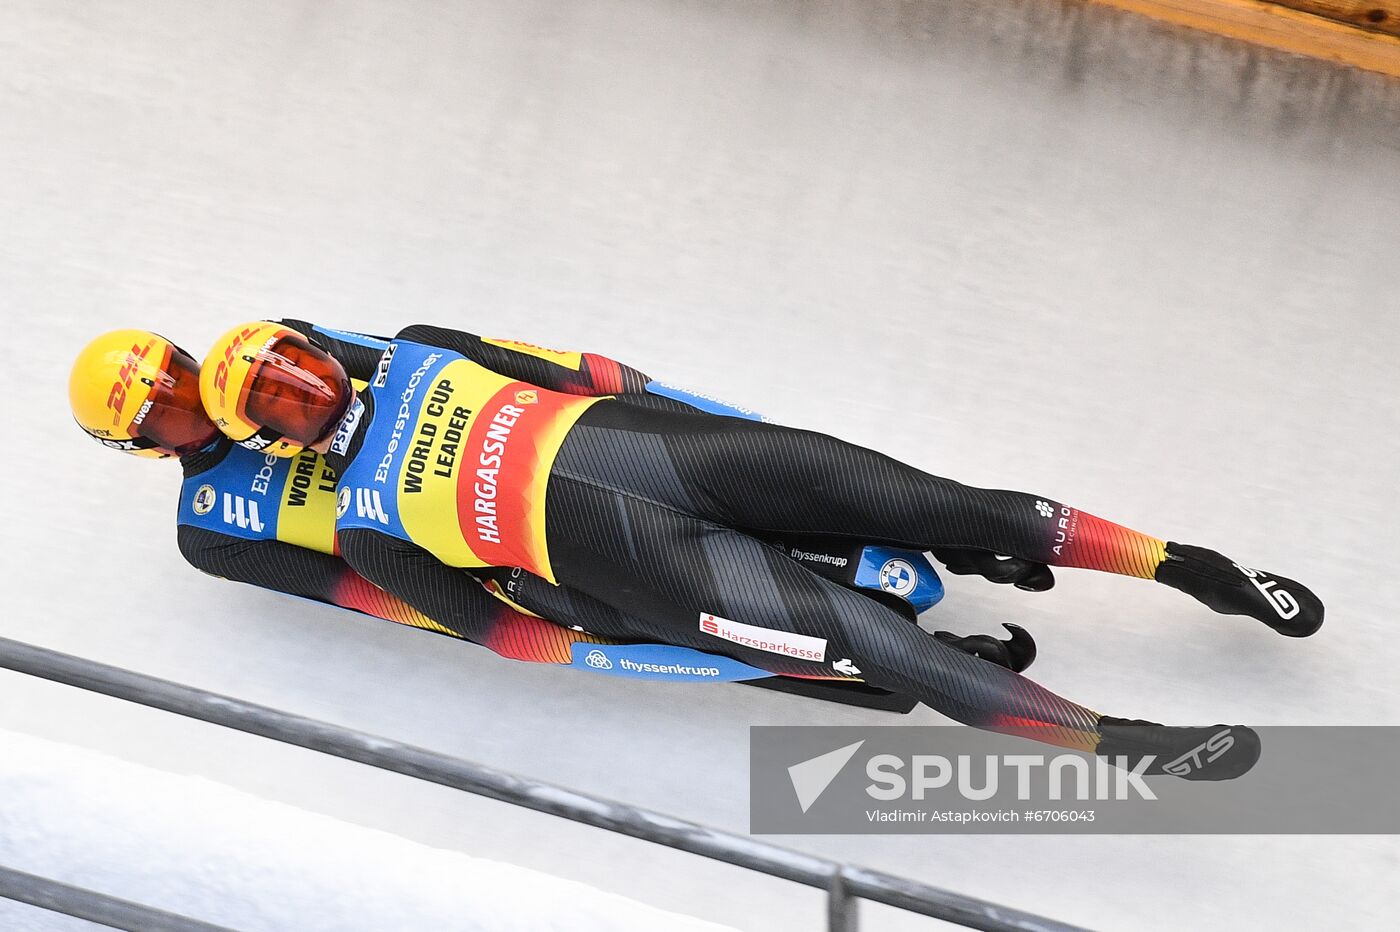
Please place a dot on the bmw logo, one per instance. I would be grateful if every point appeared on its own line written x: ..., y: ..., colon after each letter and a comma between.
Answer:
x: 342, y: 504
x: 897, y: 577
x: 204, y: 500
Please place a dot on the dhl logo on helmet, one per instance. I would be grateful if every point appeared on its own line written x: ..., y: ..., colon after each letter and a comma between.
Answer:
x: 227, y: 379
x: 221, y: 371
x: 121, y: 388
x: 123, y: 381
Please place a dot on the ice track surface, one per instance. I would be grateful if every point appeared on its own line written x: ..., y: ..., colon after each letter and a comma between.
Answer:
x: 1028, y: 244
x: 178, y: 842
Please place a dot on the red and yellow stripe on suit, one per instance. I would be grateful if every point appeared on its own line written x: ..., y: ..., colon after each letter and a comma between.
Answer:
x: 1082, y: 540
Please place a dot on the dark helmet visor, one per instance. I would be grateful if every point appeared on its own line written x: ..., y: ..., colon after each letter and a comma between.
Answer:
x: 172, y: 417
x: 297, y: 390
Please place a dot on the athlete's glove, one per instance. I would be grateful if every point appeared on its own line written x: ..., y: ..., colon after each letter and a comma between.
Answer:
x: 1288, y: 607
x: 1016, y: 653
x: 1023, y: 574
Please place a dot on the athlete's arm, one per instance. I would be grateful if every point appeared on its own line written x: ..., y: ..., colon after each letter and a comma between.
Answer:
x: 455, y: 599
x: 556, y: 370
x: 283, y: 567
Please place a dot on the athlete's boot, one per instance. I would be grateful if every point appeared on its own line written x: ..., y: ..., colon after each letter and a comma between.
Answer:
x: 1288, y: 607
x: 1216, y: 752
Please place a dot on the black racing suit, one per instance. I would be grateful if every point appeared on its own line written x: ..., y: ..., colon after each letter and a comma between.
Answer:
x: 652, y: 511
x: 270, y: 522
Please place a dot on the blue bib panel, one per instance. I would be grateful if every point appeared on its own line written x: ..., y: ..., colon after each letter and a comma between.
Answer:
x: 368, y: 493
x: 258, y: 496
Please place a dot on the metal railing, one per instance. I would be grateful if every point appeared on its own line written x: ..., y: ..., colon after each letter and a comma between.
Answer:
x: 844, y: 883
x: 93, y: 906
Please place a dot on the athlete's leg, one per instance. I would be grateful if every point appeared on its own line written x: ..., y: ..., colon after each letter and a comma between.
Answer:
x: 1030, y: 575
x: 713, y: 588
x: 768, y: 478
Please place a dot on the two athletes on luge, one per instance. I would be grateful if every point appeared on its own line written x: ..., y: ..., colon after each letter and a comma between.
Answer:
x: 454, y: 456
x: 270, y: 521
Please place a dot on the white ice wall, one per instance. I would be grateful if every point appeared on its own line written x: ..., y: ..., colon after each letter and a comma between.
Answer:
x: 198, y: 848
x: 1024, y: 244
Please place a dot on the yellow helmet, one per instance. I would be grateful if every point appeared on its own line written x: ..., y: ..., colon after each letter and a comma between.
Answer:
x: 269, y: 389
x: 135, y: 391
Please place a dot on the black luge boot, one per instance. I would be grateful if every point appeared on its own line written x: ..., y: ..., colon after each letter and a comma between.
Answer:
x: 1215, y: 752
x: 1288, y: 607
